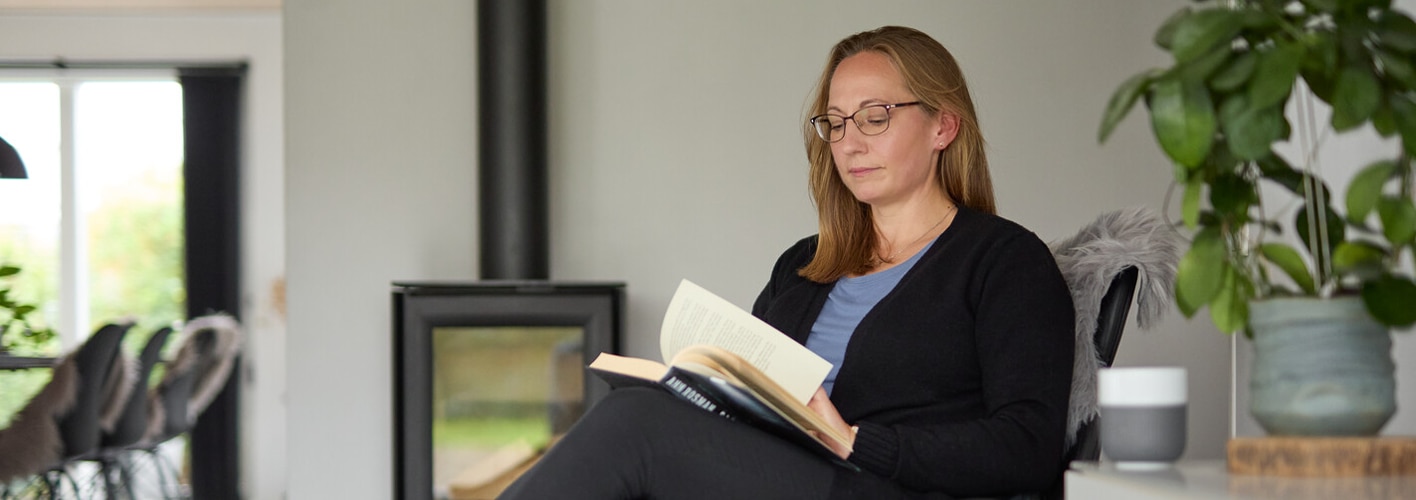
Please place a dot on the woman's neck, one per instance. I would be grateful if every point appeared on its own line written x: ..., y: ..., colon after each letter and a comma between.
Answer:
x: 903, y: 221
x: 904, y: 230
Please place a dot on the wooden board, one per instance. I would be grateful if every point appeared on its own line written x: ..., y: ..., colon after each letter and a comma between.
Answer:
x: 1323, y: 456
x: 493, y: 487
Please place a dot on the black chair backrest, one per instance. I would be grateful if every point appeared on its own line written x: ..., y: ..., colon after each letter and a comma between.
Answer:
x: 208, y: 346
x: 1111, y: 322
x: 175, y: 395
x: 94, y: 361
x: 134, y: 420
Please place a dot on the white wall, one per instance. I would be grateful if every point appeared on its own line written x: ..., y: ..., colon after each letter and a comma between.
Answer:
x: 250, y: 35
x: 379, y: 187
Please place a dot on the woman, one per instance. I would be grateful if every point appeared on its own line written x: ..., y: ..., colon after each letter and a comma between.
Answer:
x: 949, y: 327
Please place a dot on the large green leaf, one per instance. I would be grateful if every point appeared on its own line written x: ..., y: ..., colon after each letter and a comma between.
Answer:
x: 1322, y: 54
x: 9, y: 271
x: 1230, y: 308
x: 1202, y: 67
x: 1389, y: 299
x: 1274, y: 76
x: 1398, y: 219
x: 1201, y: 271
x: 1398, y: 69
x: 1403, y: 110
x: 1165, y: 35
x: 1122, y: 101
x: 1336, y: 230
x: 1291, y: 262
x: 1234, y: 74
x: 1257, y: 20
x: 1232, y: 107
x: 1384, y: 121
x: 1182, y: 118
x: 1320, y: 82
x: 1362, y: 258
x: 1322, y: 5
x: 1250, y: 131
x: 1190, y: 206
x: 1355, y: 97
x: 1397, y: 31
x: 1197, y: 33
x: 1231, y: 196
x: 1366, y: 189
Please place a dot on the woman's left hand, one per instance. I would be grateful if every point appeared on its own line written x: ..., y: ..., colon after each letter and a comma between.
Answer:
x: 821, y: 404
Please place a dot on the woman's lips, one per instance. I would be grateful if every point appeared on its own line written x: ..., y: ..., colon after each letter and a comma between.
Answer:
x: 861, y: 171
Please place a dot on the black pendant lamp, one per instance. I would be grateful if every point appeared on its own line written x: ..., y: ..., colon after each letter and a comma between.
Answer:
x: 10, y: 165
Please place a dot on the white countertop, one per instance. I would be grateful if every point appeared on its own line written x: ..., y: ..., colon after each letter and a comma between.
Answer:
x: 1209, y: 479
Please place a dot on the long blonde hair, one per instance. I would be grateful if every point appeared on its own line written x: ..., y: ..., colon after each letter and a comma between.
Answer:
x: 847, y: 232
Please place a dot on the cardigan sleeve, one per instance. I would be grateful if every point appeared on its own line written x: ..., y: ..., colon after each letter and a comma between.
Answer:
x: 1023, y: 338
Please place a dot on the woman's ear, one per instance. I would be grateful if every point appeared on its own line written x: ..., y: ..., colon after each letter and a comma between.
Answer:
x: 948, y: 130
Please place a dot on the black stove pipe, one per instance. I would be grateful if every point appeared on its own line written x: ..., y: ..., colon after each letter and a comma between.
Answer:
x: 513, y: 183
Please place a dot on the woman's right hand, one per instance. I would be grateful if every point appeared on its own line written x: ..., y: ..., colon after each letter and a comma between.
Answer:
x: 822, y: 405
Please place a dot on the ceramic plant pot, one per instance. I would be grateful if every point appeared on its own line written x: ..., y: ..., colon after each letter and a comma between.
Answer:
x: 1322, y: 367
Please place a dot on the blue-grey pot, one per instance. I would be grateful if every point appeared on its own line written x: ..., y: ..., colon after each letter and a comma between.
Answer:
x: 1322, y: 367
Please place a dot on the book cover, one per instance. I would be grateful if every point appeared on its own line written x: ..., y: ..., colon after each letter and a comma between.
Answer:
x: 725, y: 399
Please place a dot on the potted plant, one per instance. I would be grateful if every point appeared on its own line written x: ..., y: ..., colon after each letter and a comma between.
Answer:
x: 15, y: 325
x: 1330, y: 265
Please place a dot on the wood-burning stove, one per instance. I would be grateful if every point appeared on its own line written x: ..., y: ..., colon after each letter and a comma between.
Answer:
x: 479, y: 366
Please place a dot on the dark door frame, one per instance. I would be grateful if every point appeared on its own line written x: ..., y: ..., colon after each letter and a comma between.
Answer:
x: 211, y: 103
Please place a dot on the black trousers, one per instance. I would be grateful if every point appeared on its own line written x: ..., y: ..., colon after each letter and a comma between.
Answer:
x: 644, y: 443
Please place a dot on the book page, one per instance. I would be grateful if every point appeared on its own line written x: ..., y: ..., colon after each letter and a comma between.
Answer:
x: 634, y: 367
x: 697, y: 316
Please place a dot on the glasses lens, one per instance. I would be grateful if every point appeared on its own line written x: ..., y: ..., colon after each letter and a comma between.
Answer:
x: 830, y: 128
x: 873, y: 120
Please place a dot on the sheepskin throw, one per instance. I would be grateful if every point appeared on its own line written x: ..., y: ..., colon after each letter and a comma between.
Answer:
x: 215, y: 362
x: 32, y: 442
x: 209, y: 346
x: 1134, y: 237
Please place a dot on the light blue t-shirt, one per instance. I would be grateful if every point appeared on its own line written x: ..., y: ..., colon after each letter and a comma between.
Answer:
x: 847, y: 303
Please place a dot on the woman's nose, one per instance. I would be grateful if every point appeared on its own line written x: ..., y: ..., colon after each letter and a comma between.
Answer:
x: 853, y: 141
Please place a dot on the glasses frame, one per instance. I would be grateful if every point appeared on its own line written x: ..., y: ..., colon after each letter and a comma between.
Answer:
x: 853, y: 118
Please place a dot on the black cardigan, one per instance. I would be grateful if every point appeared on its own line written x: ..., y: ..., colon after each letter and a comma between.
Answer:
x: 959, y: 378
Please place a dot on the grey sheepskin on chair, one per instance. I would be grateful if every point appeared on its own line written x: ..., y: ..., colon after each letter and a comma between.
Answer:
x: 209, y: 347
x: 218, y: 361
x: 32, y: 441
x: 1089, y: 261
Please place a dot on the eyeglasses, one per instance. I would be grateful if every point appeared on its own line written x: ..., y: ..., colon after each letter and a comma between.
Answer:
x: 870, y: 120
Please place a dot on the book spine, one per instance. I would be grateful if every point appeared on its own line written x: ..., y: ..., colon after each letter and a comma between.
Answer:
x: 685, y: 390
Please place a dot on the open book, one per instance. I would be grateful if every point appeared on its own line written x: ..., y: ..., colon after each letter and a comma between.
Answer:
x: 727, y: 361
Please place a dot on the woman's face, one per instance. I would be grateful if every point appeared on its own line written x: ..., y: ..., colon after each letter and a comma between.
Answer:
x: 897, y: 165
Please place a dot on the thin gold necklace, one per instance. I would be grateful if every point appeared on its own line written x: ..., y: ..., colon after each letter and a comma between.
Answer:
x: 891, y: 258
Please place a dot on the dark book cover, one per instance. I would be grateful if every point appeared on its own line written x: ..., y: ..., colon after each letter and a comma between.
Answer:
x: 721, y: 397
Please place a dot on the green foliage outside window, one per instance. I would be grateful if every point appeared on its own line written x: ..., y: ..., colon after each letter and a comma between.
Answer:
x: 19, y: 327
